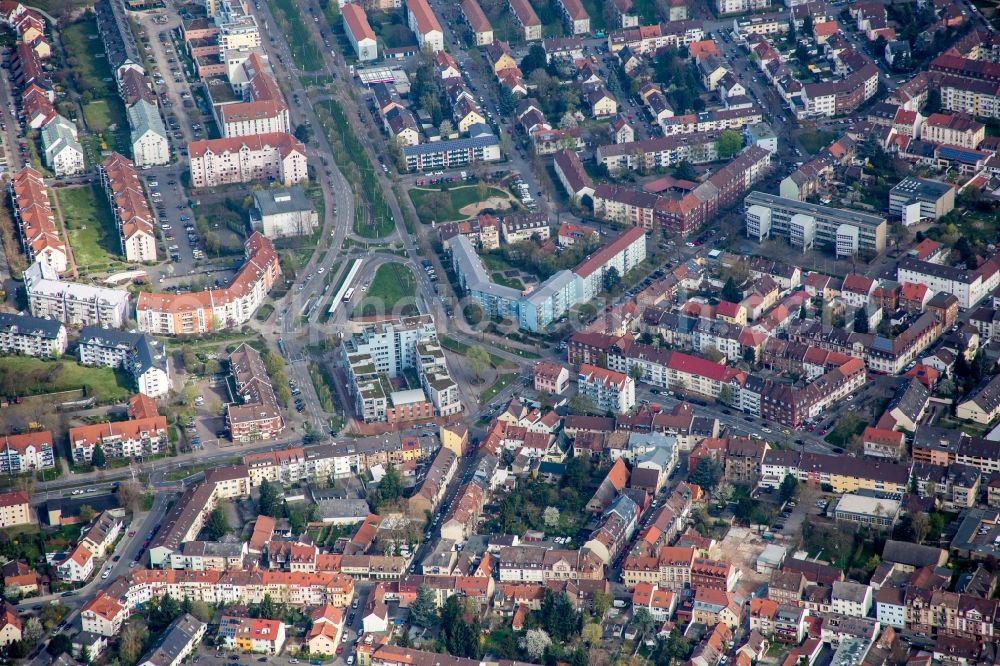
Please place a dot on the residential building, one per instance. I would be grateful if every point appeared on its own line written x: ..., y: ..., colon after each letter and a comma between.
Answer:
x: 134, y: 439
x: 103, y: 615
x: 253, y: 635
x: 478, y: 22
x: 273, y: 157
x: 63, y: 152
x: 953, y: 129
x: 480, y: 146
x: 571, y: 174
x: 983, y: 404
x: 215, y: 309
x: 918, y: 199
x: 26, y: 452
x: 524, y: 15
x: 136, y: 230
x: 552, y: 378
x: 277, y: 213
x: 257, y: 415
x: 967, y: 286
x: 150, y: 146
x: 806, y: 225
x: 40, y: 237
x: 575, y: 17
x: 424, y: 24
x: 607, y: 389
x: 31, y: 336
x: 176, y: 643
x: 73, y: 303
x: 15, y: 509
x: 136, y: 353
x: 78, y: 565
x: 359, y: 32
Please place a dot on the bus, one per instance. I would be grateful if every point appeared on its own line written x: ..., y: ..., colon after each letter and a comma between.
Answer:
x: 348, y: 295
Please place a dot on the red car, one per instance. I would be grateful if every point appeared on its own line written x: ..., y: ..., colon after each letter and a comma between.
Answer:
x: 131, y: 533
x: 340, y: 649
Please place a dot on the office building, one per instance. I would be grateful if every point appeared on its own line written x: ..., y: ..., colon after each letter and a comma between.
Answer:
x: 919, y: 199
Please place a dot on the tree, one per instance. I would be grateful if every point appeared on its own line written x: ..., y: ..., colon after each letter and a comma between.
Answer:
x: 267, y: 610
x: 551, y: 516
x: 731, y: 292
x: 131, y: 643
x: 129, y: 494
x: 592, y: 633
x: 933, y: 103
x: 217, y: 525
x: 271, y: 502
x: 581, y: 404
x: 723, y: 492
x: 568, y: 121
x: 803, y: 313
x: 807, y: 26
x: 713, y: 354
x: 642, y: 623
x: 726, y: 394
x: 97, y: 458
x: 684, y: 171
x: 303, y: 133
x: 789, y: 485
x: 921, y: 525
x: 446, y: 128
x: 729, y: 144
x: 707, y: 474
x: 636, y: 372
x: 390, y: 488
x: 423, y: 610
x: 534, y: 60
x: 61, y: 643
x: 535, y: 642
x: 87, y: 513
x: 32, y: 631
x: 477, y: 360
x: 611, y: 279
x: 860, y: 321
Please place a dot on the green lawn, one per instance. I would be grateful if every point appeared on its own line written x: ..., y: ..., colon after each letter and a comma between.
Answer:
x: 264, y: 312
x: 98, y: 115
x: 90, y: 224
x: 433, y: 207
x: 502, y: 382
x: 392, y: 290
x: 25, y: 375
x: 372, y: 217
x: 306, y: 55
x: 513, y: 283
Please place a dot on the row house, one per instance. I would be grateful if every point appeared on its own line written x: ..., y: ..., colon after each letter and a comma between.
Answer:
x: 36, y: 222
x: 646, y: 40
x: 843, y: 474
x: 534, y: 564
x: 136, y: 231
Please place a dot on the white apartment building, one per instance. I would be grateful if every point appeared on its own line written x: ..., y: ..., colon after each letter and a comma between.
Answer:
x: 72, y: 303
x: 967, y: 285
x: 424, y: 24
x: 26, y: 452
x: 850, y: 598
x: 31, y: 336
x: 275, y: 157
x: 132, y: 213
x: 150, y: 146
x: 136, y: 353
x: 359, y: 32
x: 607, y: 389
x: 63, y: 152
x: 283, y: 212
x: 740, y: 6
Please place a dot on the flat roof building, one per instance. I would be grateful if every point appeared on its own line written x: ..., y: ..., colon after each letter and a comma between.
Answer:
x: 805, y: 224
x: 917, y: 199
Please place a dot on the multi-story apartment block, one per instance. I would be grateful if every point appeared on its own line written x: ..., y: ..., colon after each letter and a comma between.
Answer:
x: 15, y: 509
x: 723, y: 7
x: 532, y: 564
x: 478, y: 22
x: 665, y: 151
x: 842, y: 96
x: 646, y: 40
x: 275, y: 156
x: 136, y: 231
x: 424, y: 24
x: 215, y: 309
x: 360, y: 33
x: 607, y: 389
x: 575, y: 17
x: 26, y: 452
x: 72, y: 303
x: 257, y: 416
x: 36, y: 222
x: 31, y: 336
x: 481, y: 145
x: 954, y: 129
x: 150, y: 146
x: 134, y: 438
x: 843, y: 474
x: 137, y: 353
x: 968, y: 286
x: 63, y: 152
x: 525, y: 16
x: 807, y: 225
